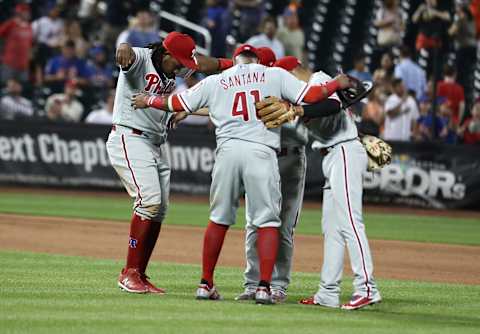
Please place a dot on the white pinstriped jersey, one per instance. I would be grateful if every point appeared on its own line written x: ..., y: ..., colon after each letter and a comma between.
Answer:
x: 231, y: 96
x: 334, y: 129
x: 141, y: 77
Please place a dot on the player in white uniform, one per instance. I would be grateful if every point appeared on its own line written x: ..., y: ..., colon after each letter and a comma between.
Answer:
x: 136, y: 144
x: 246, y: 154
x: 344, y: 162
x: 292, y: 163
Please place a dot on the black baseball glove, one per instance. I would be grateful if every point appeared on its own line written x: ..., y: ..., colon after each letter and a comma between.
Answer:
x: 360, y: 90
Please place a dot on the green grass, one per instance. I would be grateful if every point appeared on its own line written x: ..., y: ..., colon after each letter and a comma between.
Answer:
x: 379, y: 226
x: 59, y: 294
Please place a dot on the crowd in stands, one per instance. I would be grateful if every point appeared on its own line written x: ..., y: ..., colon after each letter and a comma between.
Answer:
x: 57, y: 60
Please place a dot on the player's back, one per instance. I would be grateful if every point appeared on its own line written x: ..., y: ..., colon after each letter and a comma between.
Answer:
x: 235, y: 91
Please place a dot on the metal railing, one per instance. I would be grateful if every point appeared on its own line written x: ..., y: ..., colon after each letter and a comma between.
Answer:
x: 178, y: 20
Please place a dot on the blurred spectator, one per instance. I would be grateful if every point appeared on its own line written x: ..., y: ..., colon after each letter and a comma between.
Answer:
x: 453, y: 92
x: 100, y: 71
x: 475, y: 10
x: 66, y: 66
x: 383, y: 75
x: 463, y: 31
x: 13, y: 105
x: 250, y: 14
x: 359, y: 70
x: 122, y: 37
x: 73, y: 32
x: 401, y: 112
x: 390, y: 28
x: 215, y: 21
x: 144, y: 32
x: 103, y: 115
x: 412, y: 75
x: 115, y: 20
x: 291, y: 34
x: 440, y: 123
x: 17, y: 35
x: 267, y: 37
x: 432, y: 25
x: 470, y: 130
x: 373, y: 114
x: 47, y: 32
x: 65, y: 106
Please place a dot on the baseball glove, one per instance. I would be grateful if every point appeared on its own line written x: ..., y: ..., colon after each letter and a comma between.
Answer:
x: 352, y: 95
x: 379, y: 152
x: 275, y: 112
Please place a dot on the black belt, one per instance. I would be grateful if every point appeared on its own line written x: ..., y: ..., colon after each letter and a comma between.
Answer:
x: 134, y: 131
x: 325, y: 150
x: 289, y: 150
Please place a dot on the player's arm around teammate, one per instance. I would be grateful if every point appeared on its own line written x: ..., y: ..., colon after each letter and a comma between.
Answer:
x: 292, y: 166
x: 260, y: 208
x: 136, y: 143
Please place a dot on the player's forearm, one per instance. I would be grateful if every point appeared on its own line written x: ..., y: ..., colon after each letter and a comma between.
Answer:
x: 168, y: 103
x: 324, y: 108
x: 318, y: 93
x: 210, y: 65
x: 201, y: 112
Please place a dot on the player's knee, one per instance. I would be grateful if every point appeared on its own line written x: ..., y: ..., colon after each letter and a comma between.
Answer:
x: 149, y: 210
x: 161, y: 212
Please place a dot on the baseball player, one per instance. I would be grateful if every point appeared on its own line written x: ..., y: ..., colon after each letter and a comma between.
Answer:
x: 292, y: 168
x: 344, y: 162
x: 136, y: 147
x: 292, y: 165
x: 246, y: 154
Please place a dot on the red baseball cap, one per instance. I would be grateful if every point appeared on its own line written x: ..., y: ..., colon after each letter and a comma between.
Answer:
x: 288, y: 63
x: 182, y: 48
x: 22, y: 8
x: 267, y: 57
x: 245, y: 48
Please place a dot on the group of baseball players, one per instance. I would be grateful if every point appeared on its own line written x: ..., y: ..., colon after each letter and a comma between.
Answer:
x: 255, y: 158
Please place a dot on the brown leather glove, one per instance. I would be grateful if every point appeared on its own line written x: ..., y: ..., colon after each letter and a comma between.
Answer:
x: 274, y: 112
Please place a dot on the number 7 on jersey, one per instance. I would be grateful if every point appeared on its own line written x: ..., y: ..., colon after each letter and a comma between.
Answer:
x: 240, y: 106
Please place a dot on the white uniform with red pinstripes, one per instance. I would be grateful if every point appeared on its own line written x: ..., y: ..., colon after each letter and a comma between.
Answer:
x: 342, y: 220
x: 136, y: 145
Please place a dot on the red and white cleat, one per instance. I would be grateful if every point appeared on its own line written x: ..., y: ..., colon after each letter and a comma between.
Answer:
x: 263, y: 296
x: 358, y: 302
x: 206, y: 293
x: 130, y: 280
x: 152, y: 288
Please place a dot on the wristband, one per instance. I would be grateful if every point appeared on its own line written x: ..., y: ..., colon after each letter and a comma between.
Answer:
x: 332, y: 87
x: 224, y: 63
x: 157, y: 102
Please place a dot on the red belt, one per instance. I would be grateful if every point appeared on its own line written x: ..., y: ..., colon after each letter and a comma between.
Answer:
x: 134, y: 131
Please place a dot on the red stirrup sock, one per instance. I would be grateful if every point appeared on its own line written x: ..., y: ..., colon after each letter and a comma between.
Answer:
x: 151, y: 241
x: 212, y: 245
x: 138, y: 243
x: 267, y: 247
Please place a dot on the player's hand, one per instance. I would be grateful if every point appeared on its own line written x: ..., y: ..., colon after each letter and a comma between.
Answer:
x: 344, y: 81
x: 176, y: 118
x: 139, y: 101
x: 125, y: 55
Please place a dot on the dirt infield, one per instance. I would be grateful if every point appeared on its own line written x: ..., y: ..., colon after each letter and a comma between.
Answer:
x: 107, y: 239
